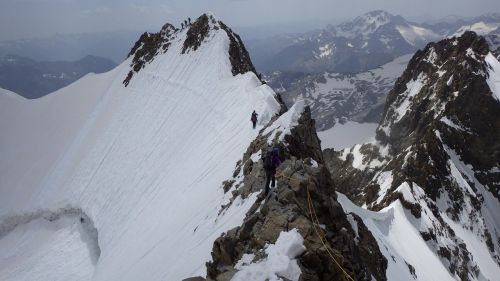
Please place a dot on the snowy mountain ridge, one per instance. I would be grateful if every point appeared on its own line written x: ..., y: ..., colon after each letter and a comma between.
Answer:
x: 373, y: 22
x: 141, y: 180
x: 432, y: 173
x: 158, y: 177
x: 366, y: 42
x: 130, y: 158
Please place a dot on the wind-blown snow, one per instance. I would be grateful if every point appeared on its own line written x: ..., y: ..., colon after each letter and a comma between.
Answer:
x: 347, y: 135
x: 280, y: 260
x: 145, y: 162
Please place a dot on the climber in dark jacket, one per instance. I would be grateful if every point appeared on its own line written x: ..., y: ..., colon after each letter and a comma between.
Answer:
x: 271, y: 162
x: 254, y: 118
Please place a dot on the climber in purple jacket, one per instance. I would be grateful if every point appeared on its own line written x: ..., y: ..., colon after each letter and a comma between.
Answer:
x: 271, y: 162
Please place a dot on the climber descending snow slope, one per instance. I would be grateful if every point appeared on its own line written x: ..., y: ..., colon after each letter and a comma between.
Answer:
x: 144, y: 162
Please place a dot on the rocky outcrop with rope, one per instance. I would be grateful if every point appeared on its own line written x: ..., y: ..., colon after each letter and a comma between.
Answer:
x: 304, y: 199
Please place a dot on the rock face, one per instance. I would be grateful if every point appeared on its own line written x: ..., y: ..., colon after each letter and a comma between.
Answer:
x: 287, y: 208
x: 150, y: 45
x: 437, y: 151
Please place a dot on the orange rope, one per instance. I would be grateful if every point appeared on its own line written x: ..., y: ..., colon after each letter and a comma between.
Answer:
x: 315, y: 220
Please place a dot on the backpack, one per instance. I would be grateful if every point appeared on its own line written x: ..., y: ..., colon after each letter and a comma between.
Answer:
x: 268, y: 161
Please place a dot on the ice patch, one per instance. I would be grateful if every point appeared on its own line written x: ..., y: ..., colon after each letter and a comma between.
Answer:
x: 453, y: 125
x: 384, y: 180
x: 412, y: 89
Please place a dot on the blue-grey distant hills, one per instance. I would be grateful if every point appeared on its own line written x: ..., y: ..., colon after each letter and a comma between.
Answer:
x: 366, y: 42
x: 113, y: 45
x: 33, y: 79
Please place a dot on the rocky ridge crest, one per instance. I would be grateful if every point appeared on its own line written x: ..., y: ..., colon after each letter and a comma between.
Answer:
x: 151, y: 45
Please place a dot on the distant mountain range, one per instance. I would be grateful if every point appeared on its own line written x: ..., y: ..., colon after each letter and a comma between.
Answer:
x: 366, y: 42
x: 335, y: 97
x: 33, y: 79
x: 71, y: 47
x: 318, y: 66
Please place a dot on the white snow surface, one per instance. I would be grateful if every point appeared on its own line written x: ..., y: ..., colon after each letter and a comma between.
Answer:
x: 280, y: 260
x: 400, y: 242
x: 285, y: 122
x: 144, y: 162
x: 404, y: 100
x: 481, y: 28
x: 493, y: 75
x: 415, y: 35
x: 347, y: 135
x: 30, y: 249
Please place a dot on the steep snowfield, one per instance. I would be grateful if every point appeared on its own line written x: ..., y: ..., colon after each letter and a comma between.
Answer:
x: 400, y: 242
x: 493, y: 75
x: 144, y: 162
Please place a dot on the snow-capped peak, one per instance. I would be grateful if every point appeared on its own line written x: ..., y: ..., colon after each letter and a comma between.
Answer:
x: 191, y: 35
x: 365, y: 24
x: 144, y: 163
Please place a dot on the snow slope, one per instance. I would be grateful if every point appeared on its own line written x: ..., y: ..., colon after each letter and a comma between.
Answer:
x: 400, y: 242
x: 493, y: 75
x: 145, y: 163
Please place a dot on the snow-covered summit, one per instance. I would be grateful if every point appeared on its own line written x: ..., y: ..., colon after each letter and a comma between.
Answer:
x: 191, y: 36
x: 134, y: 170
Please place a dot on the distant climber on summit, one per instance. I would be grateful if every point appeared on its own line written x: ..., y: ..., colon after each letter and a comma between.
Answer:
x: 254, y: 118
x: 271, y: 162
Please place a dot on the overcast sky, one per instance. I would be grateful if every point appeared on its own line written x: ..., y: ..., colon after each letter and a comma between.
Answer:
x: 41, y: 18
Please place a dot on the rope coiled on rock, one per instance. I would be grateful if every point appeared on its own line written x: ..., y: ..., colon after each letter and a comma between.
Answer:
x: 315, y: 220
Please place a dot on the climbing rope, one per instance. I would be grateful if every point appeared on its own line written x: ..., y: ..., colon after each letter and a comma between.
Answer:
x: 315, y: 220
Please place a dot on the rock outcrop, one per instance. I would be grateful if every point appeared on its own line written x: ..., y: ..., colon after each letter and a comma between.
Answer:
x: 437, y: 151
x: 287, y: 207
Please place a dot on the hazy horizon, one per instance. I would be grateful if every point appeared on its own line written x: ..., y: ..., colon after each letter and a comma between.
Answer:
x: 20, y: 19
